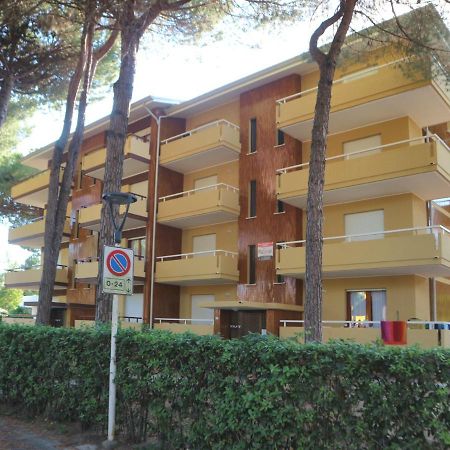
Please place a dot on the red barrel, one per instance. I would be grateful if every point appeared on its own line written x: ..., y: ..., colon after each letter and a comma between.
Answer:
x: 393, y: 332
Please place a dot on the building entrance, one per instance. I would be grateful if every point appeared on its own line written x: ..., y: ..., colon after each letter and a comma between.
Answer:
x: 244, y: 322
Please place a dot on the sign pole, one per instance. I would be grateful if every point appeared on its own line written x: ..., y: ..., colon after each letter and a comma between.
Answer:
x: 113, y: 369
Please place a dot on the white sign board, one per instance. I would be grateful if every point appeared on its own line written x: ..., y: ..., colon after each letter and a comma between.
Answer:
x: 265, y: 250
x: 118, y: 268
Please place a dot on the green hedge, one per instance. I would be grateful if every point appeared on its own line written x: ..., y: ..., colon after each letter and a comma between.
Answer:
x: 255, y: 393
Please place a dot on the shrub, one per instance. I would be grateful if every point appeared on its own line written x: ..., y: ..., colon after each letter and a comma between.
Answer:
x: 254, y: 393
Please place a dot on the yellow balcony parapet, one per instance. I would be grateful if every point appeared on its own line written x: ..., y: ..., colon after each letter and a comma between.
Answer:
x: 196, y: 269
x: 34, y: 190
x: 375, y: 94
x: 30, y: 279
x: 209, y: 145
x: 32, y: 234
x: 426, y: 334
x: 208, y: 205
x: 420, y: 166
x: 86, y: 271
x: 136, y: 159
x: 421, y: 251
x: 201, y: 327
x: 137, y: 215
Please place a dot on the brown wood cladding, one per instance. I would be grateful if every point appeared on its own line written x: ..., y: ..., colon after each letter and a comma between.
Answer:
x: 261, y: 166
x: 166, y: 298
x: 82, y: 312
x: 86, y: 196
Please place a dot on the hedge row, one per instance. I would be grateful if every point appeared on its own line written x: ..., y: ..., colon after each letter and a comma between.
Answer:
x: 254, y: 393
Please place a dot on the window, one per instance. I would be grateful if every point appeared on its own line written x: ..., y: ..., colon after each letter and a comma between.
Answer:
x: 366, y: 305
x: 197, y: 311
x: 252, y: 136
x: 138, y: 246
x: 280, y: 206
x: 252, y: 199
x: 280, y: 137
x: 202, y: 183
x: 251, y: 269
x: 362, y: 144
x: 279, y: 279
x: 203, y: 244
x: 363, y: 223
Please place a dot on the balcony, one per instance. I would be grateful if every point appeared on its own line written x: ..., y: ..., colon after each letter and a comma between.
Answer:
x: 201, y: 327
x: 30, y: 279
x: 209, y: 145
x: 424, y: 334
x: 376, y: 94
x: 89, y: 217
x: 31, y: 235
x: 86, y: 271
x: 210, y: 205
x: 136, y: 159
x: 34, y: 190
x: 414, y: 251
x: 197, y: 269
x: 420, y: 166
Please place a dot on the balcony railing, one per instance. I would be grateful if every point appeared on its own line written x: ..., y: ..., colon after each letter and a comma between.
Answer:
x: 199, y: 268
x: 31, y: 235
x: 207, y: 205
x: 421, y: 251
x: 90, y: 216
x: 30, y: 279
x: 395, y: 89
x: 136, y: 159
x: 209, y: 145
x: 34, y: 189
x: 176, y: 325
x: 423, y: 333
x: 418, y: 165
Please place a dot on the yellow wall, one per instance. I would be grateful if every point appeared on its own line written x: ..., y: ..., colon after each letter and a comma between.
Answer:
x: 140, y: 188
x: 222, y: 293
x: 443, y: 300
x: 229, y: 111
x: 391, y: 131
x: 227, y: 173
x: 226, y: 236
x: 400, y: 211
x: 409, y: 295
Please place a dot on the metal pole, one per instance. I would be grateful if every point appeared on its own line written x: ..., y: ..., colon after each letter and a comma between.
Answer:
x: 113, y: 369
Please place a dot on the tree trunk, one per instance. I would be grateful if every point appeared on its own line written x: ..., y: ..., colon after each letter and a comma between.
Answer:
x: 115, y: 142
x: 51, y: 250
x: 6, y: 88
x: 314, y: 206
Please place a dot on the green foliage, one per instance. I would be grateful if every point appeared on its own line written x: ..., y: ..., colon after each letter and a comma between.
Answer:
x: 254, y: 393
x: 9, y: 298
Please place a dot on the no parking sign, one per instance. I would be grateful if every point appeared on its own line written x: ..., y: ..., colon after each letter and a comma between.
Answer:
x: 118, y: 266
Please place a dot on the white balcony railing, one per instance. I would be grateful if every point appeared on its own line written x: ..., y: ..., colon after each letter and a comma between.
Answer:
x: 368, y: 151
x: 435, y: 229
x: 426, y: 324
x: 352, y: 76
x: 199, y: 129
x: 185, y: 321
x: 214, y: 187
x: 196, y: 254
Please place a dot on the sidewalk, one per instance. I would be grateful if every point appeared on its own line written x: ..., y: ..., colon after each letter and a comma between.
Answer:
x: 16, y: 434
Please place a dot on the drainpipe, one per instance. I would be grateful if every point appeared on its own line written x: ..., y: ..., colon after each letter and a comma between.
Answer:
x: 155, y: 207
x: 433, y: 300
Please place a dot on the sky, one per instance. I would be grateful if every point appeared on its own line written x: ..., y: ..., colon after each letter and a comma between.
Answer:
x: 179, y: 72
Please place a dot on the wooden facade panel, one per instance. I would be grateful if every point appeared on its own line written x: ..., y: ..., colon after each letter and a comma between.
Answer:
x: 261, y: 166
x: 87, y: 195
x: 168, y: 239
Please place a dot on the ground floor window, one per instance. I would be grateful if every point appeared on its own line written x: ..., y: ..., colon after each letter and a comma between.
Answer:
x: 367, y: 305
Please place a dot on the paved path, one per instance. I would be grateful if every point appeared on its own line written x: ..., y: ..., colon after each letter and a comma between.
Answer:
x: 20, y: 435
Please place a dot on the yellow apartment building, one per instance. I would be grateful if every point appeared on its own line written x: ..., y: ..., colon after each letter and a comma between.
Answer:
x: 219, y: 228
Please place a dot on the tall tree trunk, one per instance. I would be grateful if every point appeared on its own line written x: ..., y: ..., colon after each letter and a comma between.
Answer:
x: 6, y: 89
x: 314, y: 207
x: 51, y: 252
x: 115, y: 142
